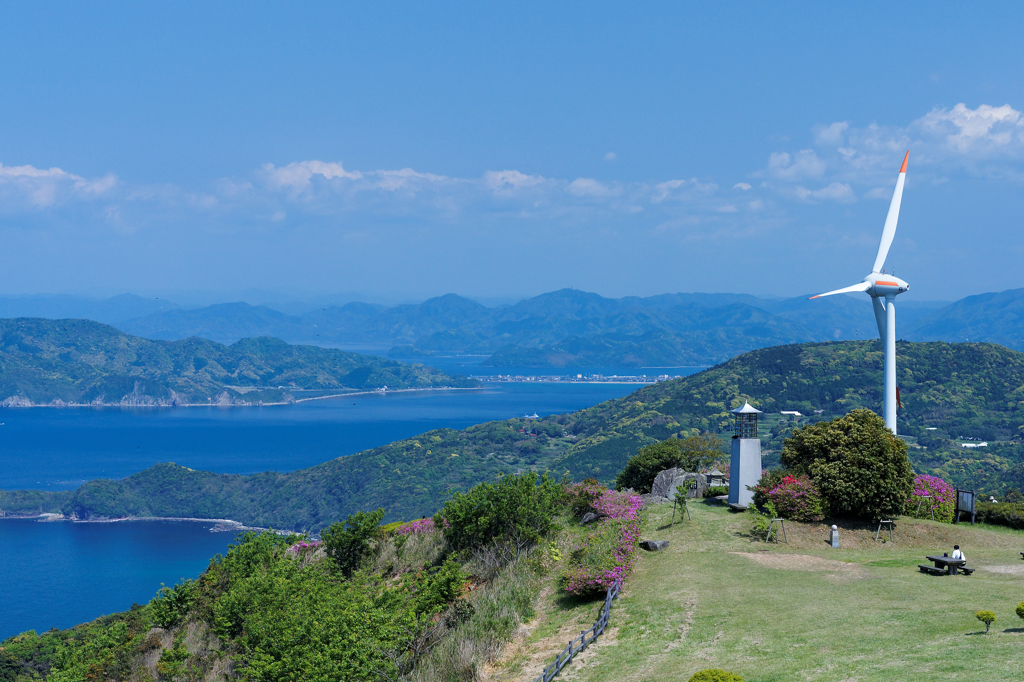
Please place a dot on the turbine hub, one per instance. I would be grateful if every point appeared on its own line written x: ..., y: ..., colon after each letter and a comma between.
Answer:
x: 885, y: 285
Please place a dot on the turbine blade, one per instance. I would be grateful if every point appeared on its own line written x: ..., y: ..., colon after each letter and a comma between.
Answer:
x: 879, y: 307
x: 889, y: 231
x: 863, y: 286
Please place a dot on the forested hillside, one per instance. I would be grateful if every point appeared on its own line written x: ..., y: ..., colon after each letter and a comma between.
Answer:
x: 950, y: 392
x: 83, y: 362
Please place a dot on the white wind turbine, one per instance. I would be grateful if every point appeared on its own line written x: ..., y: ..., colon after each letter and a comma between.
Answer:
x: 883, y: 289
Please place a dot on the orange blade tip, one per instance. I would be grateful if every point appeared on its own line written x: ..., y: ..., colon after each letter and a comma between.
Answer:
x: 903, y: 168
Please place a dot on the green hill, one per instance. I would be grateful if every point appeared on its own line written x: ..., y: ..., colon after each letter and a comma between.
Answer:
x: 83, y: 362
x: 970, y: 390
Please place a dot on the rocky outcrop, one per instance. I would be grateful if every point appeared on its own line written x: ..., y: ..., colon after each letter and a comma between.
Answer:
x: 16, y: 401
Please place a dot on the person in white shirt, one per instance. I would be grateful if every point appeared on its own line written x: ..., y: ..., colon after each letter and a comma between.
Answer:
x: 957, y: 554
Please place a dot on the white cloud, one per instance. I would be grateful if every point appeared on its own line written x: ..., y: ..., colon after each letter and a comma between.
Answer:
x: 610, y: 156
x: 589, y: 187
x: 663, y: 190
x: 741, y: 185
x: 299, y: 174
x: 966, y: 129
x: 43, y: 187
x: 804, y: 165
x: 831, y: 134
x: 510, y: 181
x: 836, y: 191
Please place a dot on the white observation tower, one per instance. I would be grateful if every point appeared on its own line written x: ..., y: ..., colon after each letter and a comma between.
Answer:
x: 745, y: 465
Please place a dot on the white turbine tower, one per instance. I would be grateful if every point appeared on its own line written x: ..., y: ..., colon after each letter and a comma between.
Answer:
x: 883, y: 290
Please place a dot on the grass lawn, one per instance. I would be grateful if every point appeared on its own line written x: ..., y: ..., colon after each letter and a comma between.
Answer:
x: 801, y: 611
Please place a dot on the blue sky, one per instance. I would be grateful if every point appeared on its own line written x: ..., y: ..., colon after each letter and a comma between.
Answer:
x: 414, y: 149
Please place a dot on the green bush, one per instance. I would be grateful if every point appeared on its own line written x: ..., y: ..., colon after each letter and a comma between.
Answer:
x: 986, y: 617
x: 1020, y: 610
x: 860, y: 467
x: 716, y: 490
x: 689, y: 454
x: 715, y: 675
x: 173, y: 603
x: 518, y: 510
x: 1006, y: 514
x: 347, y: 543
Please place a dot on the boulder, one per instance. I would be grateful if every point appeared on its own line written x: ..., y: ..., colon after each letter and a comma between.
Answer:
x: 666, y: 482
x: 649, y: 499
x: 589, y: 517
x: 654, y: 545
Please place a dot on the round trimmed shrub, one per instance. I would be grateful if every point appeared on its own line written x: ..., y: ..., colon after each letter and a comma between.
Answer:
x: 859, y: 466
x: 715, y: 675
x: 1020, y: 610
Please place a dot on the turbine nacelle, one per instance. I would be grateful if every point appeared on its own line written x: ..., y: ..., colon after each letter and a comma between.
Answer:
x: 881, y: 285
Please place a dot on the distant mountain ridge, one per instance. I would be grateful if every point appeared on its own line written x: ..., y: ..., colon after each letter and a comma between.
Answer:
x: 58, y: 362
x: 569, y: 327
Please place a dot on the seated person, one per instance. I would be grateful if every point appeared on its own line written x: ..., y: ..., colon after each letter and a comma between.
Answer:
x: 957, y: 554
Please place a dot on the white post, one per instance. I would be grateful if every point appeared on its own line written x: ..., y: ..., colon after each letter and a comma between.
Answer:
x: 890, y: 363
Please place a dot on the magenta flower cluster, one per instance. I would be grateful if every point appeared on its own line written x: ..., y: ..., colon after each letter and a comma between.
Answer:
x: 797, y: 498
x: 301, y: 547
x: 620, y: 514
x: 942, y: 499
x: 416, y: 527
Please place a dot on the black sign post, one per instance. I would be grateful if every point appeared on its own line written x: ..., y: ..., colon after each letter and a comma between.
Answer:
x: 964, y: 503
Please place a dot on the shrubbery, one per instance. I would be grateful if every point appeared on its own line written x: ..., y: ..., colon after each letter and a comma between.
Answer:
x: 608, y: 553
x: 518, y: 510
x: 1000, y: 514
x: 860, y: 467
x: 689, y: 454
x: 348, y: 542
x: 797, y: 498
x: 943, y: 497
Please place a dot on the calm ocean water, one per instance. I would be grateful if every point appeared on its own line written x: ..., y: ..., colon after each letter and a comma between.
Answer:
x: 60, y: 574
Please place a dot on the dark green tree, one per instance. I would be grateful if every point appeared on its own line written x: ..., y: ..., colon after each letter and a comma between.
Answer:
x: 860, y: 467
x: 689, y: 454
x: 349, y: 541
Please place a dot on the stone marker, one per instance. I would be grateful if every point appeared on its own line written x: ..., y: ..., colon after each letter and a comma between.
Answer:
x: 834, y: 537
x: 665, y: 484
x: 654, y: 545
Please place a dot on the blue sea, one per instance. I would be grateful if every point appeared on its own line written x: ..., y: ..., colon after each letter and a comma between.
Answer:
x: 58, y: 574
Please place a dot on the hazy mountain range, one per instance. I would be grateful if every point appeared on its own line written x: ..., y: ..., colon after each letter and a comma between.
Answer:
x: 566, y: 327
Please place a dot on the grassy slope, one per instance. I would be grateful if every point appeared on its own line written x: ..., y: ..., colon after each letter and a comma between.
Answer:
x: 706, y: 603
x: 82, y: 361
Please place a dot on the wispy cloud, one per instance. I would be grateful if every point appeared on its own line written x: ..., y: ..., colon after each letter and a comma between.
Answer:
x: 44, y: 187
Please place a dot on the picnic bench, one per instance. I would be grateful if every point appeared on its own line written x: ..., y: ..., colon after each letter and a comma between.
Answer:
x: 944, y: 565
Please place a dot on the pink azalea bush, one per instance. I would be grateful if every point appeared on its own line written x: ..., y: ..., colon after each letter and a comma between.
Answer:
x: 943, y: 498
x: 797, y: 498
x: 416, y: 527
x: 302, y: 546
x: 608, y: 553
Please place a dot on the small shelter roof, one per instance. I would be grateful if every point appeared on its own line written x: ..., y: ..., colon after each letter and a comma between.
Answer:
x: 746, y: 409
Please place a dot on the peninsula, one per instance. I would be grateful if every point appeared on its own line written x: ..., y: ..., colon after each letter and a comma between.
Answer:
x: 80, y: 362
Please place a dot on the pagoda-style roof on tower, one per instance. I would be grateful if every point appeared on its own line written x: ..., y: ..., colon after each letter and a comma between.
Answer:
x: 747, y: 409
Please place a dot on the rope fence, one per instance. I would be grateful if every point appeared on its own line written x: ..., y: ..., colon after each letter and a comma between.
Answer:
x: 580, y: 643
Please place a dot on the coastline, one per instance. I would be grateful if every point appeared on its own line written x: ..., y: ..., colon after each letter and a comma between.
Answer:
x: 236, y: 403
x: 220, y: 525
